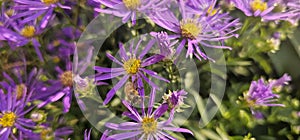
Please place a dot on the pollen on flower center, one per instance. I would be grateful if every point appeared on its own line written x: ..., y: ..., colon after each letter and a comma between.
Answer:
x: 258, y: 5
x: 48, y: 2
x: 28, y: 31
x: 149, y: 125
x: 190, y: 28
x: 132, y: 66
x: 132, y: 4
x: 67, y: 78
x: 8, y: 119
x: 20, y: 90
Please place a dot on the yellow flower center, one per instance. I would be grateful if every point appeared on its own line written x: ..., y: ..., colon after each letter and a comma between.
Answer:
x: 47, y: 134
x: 132, y: 4
x: 67, y: 78
x: 49, y: 2
x: 190, y: 28
x: 20, y: 90
x: 211, y: 11
x: 258, y: 5
x: 8, y: 119
x: 132, y: 66
x: 149, y: 125
x: 28, y: 31
x: 1, y: 23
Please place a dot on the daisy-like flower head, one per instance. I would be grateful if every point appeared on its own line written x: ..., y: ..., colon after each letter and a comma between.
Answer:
x: 205, y: 7
x: 16, y: 34
x: 131, y: 66
x: 261, y: 93
x: 146, y: 126
x: 62, y: 88
x: 31, y: 10
x: 194, y: 29
x: 128, y: 9
x: 24, y: 83
x: 22, y: 35
x: 12, y: 115
x: 266, y: 9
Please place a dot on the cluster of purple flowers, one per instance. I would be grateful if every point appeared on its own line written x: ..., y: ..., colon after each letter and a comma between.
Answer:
x: 194, y: 24
x: 270, y: 10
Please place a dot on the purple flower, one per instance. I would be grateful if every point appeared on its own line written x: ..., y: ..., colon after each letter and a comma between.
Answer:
x: 63, y: 88
x: 261, y: 93
x: 264, y: 9
x: 24, y: 35
x: 206, y: 7
x: 32, y: 9
x: 165, y: 44
x: 128, y: 9
x: 15, y: 34
x: 194, y: 29
x: 12, y: 115
x: 132, y: 65
x: 25, y: 83
x: 175, y: 99
x: 147, y: 125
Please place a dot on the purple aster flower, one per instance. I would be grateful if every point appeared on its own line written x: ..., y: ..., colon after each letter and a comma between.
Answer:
x: 32, y: 9
x: 24, y: 83
x: 194, y: 29
x: 264, y: 9
x: 128, y: 9
x: 206, y: 7
x: 175, y: 99
x: 132, y: 65
x: 165, y: 44
x: 261, y: 93
x: 24, y: 35
x: 12, y: 115
x: 147, y: 125
x: 63, y: 86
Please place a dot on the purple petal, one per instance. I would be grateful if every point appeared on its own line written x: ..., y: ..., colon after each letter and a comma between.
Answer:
x: 126, y: 135
x: 113, y: 91
x: 124, y: 126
